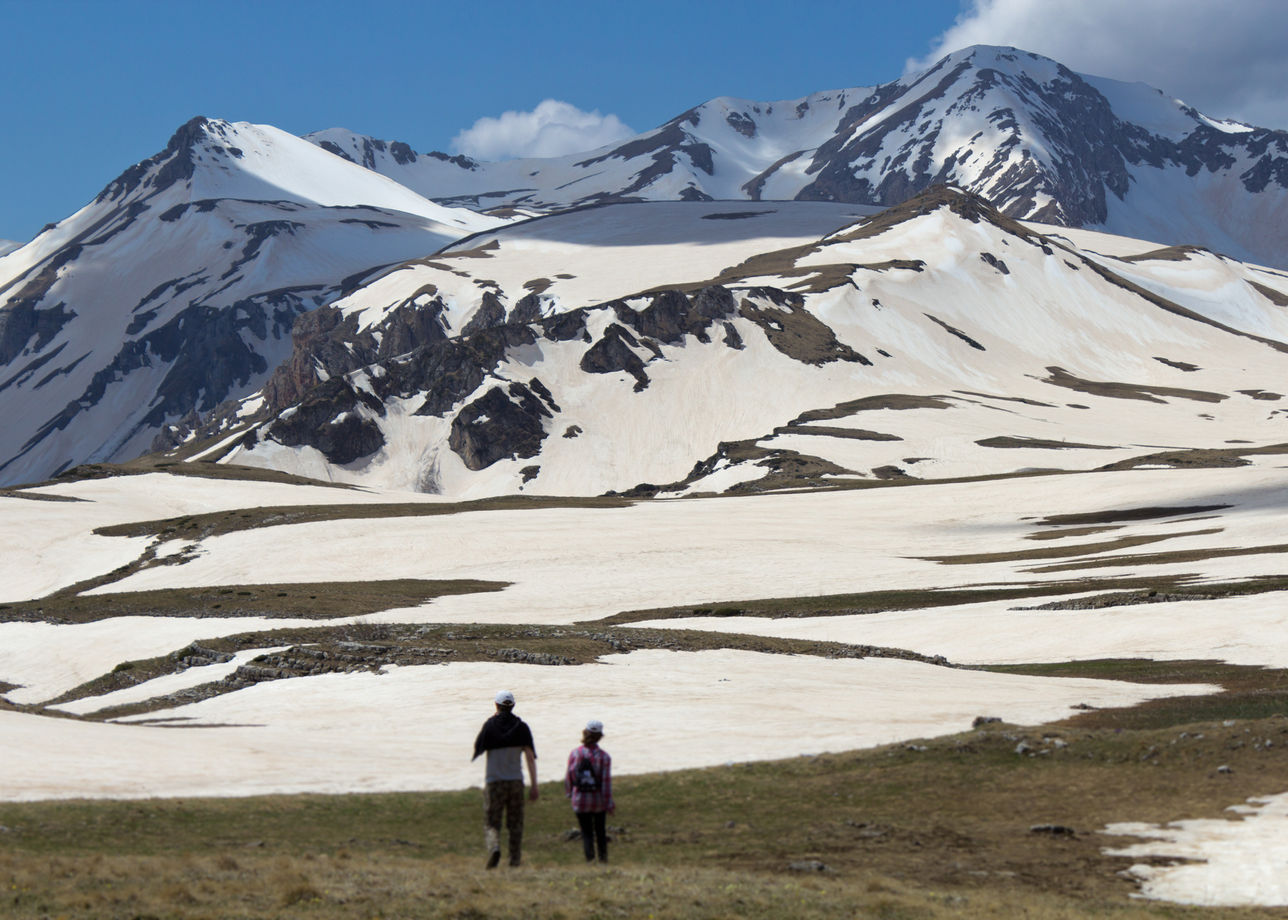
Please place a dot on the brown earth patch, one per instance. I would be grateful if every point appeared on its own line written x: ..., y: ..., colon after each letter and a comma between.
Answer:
x: 1198, y: 458
x: 1167, y: 254
x: 1053, y: 552
x: 482, y: 251
x: 321, y: 600
x: 1062, y: 378
x: 217, y: 523
x: 799, y: 334
x: 38, y: 496
x: 1278, y: 298
x: 1119, y: 515
x: 1199, y: 591
x: 857, y: 434
x: 907, y: 599
x: 1070, y: 532
x: 953, y: 330
x: 1172, y: 558
x: 1039, y: 443
x: 170, y: 463
x: 1179, y: 365
x: 898, y: 401
x: 1015, y: 399
x: 1262, y: 394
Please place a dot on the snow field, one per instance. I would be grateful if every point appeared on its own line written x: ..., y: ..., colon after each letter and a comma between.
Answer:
x: 1230, y: 862
x: 411, y: 728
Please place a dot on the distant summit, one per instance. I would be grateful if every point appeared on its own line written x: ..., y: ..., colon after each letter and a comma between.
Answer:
x: 1038, y: 140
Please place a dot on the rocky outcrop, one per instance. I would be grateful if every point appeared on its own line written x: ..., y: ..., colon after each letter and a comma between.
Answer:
x: 502, y: 424
x: 330, y: 420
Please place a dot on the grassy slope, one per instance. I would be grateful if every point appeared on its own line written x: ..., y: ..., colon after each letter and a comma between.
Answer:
x: 935, y: 829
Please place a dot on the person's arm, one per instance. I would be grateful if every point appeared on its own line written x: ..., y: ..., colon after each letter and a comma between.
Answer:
x: 572, y: 758
x: 531, y: 757
x: 608, y: 784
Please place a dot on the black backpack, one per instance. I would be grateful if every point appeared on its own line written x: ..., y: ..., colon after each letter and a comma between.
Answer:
x: 584, y: 778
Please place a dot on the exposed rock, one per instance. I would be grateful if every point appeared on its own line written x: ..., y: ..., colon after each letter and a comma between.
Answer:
x: 527, y: 310
x: 809, y: 865
x: 1054, y: 830
x: 328, y: 420
x: 501, y: 424
x: 615, y: 352
x: 490, y: 313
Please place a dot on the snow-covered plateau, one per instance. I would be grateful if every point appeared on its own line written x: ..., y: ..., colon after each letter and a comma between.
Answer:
x: 409, y: 726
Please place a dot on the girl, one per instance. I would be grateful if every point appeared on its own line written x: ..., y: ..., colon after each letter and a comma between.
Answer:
x: 588, y: 782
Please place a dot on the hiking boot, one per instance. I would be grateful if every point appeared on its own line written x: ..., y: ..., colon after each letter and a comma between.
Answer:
x: 494, y: 859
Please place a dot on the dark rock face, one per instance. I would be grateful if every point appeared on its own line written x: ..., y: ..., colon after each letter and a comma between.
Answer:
x: 527, y: 310
x: 615, y: 352
x: 742, y: 123
x: 327, y: 419
x: 795, y: 331
x: 402, y: 153
x: 334, y: 148
x: 502, y: 424
x: 491, y: 312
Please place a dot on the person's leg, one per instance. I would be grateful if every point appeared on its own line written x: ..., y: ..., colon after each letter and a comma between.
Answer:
x: 514, y: 820
x: 493, y: 804
x: 586, y: 821
x: 601, y: 834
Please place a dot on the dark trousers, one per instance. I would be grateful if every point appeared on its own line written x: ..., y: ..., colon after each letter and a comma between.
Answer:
x: 594, y: 832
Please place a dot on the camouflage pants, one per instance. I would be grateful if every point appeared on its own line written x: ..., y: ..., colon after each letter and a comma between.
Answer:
x: 504, y: 797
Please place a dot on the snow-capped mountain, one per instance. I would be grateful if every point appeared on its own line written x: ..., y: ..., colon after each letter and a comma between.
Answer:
x: 754, y: 347
x: 176, y: 288
x: 8, y: 246
x: 1036, y: 139
x: 179, y: 287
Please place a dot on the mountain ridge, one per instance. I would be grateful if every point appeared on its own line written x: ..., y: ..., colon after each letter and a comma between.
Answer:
x: 219, y: 245
x: 1055, y: 146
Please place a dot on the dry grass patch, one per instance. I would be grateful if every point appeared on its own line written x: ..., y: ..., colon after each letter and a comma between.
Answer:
x: 1064, y: 549
x: 906, y: 599
x: 218, y: 523
x: 314, y: 600
x: 1173, y: 558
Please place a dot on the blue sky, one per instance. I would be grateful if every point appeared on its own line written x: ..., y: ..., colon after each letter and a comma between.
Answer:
x: 92, y: 86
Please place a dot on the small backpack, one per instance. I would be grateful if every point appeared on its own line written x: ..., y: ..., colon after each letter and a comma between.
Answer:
x: 583, y: 777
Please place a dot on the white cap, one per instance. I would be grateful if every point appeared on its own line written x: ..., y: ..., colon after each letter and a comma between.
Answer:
x: 504, y: 698
x: 596, y: 726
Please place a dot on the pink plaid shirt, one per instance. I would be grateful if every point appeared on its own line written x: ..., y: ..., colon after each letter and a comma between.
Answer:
x: 602, y: 798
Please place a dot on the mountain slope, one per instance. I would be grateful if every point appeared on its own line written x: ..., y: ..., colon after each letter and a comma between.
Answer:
x: 937, y: 339
x: 1038, y: 140
x: 177, y: 286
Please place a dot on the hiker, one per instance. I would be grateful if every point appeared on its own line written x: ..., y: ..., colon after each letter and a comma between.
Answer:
x: 588, y: 781
x: 507, y: 740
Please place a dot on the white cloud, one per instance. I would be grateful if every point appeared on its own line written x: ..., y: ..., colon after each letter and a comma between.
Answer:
x: 1225, y: 58
x: 552, y: 129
